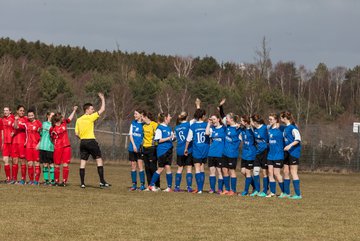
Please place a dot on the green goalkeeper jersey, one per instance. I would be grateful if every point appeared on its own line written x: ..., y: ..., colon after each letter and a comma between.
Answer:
x: 45, y: 142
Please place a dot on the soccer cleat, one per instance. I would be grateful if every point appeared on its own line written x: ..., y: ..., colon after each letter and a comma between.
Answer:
x: 255, y: 193
x: 231, y: 193
x: 225, y: 192
x: 104, y: 185
x: 284, y: 195
x: 211, y: 191
x: 194, y: 191
x: 244, y: 194
x: 219, y: 192
x: 142, y: 188
x: 199, y: 192
x: 176, y: 189
x: 147, y: 189
x: 189, y: 189
x: 133, y: 188
x: 261, y: 194
x: 56, y: 184
x: 167, y: 190
x: 295, y: 197
x: 22, y: 182
x: 152, y: 188
x: 82, y: 186
x: 271, y: 195
x: 36, y: 183
x: 30, y: 183
x: 63, y: 184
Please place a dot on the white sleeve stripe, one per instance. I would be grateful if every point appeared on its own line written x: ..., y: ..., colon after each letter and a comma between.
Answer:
x: 158, y: 134
x: 131, y: 131
x: 296, y: 134
x: 189, y: 136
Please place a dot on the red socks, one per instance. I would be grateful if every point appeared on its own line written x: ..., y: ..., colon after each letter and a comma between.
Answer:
x: 23, y: 172
x: 37, y: 173
x: 7, y: 171
x: 15, y: 168
x: 65, y: 173
x: 30, y: 172
x: 57, y: 174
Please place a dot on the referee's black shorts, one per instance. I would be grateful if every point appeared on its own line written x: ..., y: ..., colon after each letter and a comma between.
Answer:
x: 89, y: 147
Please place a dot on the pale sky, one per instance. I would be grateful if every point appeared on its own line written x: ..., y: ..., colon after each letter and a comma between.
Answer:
x: 305, y: 31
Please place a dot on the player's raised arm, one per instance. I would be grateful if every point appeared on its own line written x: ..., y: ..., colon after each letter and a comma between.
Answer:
x: 71, y: 116
x: 102, y: 108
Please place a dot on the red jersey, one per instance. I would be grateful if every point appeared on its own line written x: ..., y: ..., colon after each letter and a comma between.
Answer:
x: 20, y: 133
x: 32, y: 133
x: 8, y: 128
x: 59, y: 135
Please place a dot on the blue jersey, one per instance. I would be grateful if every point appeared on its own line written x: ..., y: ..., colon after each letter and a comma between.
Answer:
x: 232, y: 142
x: 200, y: 140
x: 294, y: 151
x: 163, y: 147
x: 261, y: 139
x: 276, y: 145
x: 181, y: 132
x: 217, y: 137
x: 248, y: 148
x: 137, y: 133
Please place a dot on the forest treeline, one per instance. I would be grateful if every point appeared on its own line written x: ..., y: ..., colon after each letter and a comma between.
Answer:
x: 48, y: 77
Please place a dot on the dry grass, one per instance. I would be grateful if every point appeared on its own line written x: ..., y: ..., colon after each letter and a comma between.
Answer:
x: 330, y: 210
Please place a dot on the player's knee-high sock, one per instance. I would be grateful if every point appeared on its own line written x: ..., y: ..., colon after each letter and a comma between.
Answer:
x: 65, y: 173
x: 233, y: 183
x: 37, y: 173
x: 30, y: 172
x: 272, y: 187
x: 154, y: 178
x: 265, y: 184
x: 101, y: 173
x: 7, y: 171
x: 212, y: 180
x: 253, y: 183
x: 169, y: 177
x: 23, y: 172
x: 15, y: 168
x: 133, y: 178
x: 52, y: 173
x: 57, y: 174
x: 220, y: 184
x: 178, y: 177
x: 296, y: 184
x: 287, y: 186
x: 82, y: 176
x: 248, y: 181
x: 142, y: 177
x: 46, y: 173
x: 281, y: 185
x: 227, y: 183
x: 189, y: 178
x: 198, y: 180
x: 257, y: 183
x: 202, y: 180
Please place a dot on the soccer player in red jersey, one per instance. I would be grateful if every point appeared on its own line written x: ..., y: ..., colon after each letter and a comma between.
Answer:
x: 62, y: 149
x: 7, y: 136
x: 32, y: 127
x: 18, y: 144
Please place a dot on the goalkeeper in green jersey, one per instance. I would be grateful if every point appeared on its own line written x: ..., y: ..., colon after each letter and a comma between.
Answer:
x: 46, y: 148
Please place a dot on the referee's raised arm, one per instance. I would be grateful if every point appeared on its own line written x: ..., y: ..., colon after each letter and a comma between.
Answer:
x: 102, y: 108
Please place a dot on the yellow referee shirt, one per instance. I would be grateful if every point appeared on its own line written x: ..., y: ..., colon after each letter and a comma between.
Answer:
x: 149, y: 133
x: 84, y: 127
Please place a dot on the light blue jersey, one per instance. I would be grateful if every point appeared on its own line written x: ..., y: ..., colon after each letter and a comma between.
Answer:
x: 181, y: 132
x: 261, y: 139
x: 162, y: 132
x: 136, y: 131
x: 200, y: 140
x: 232, y: 142
x: 217, y: 136
x: 276, y: 145
x: 248, y: 148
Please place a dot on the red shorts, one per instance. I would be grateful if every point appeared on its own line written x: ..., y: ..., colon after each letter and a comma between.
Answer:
x: 6, y: 151
x: 18, y: 150
x: 62, y: 155
x: 32, y: 154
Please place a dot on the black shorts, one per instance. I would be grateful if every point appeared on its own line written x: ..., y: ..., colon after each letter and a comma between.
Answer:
x: 183, y: 160
x: 214, y: 161
x: 166, y: 159
x: 248, y: 164
x: 89, y: 147
x: 261, y: 160
x: 290, y: 160
x: 134, y: 156
x: 46, y: 157
x: 200, y: 160
x: 149, y: 154
x: 229, y: 162
x: 276, y: 163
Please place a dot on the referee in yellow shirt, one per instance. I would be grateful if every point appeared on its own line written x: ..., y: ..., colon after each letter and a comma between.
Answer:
x: 84, y: 129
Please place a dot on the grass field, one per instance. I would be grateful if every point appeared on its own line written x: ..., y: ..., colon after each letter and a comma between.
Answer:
x: 329, y: 210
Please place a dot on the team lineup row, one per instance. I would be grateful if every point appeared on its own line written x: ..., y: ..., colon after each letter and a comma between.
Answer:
x: 269, y: 150
x: 27, y: 141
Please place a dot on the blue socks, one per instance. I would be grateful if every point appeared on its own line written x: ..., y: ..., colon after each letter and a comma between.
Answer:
x: 257, y: 183
x: 287, y: 186
x: 178, y: 177
x: 169, y: 179
x: 273, y: 187
x: 133, y: 177
x: 265, y: 184
x: 212, y: 180
x: 220, y: 184
x: 281, y: 185
x: 227, y: 183
x: 253, y: 183
x: 248, y: 181
x: 198, y: 177
x: 154, y: 178
x: 202, y: 180
x: 142, y: 178
x: 189, y: 178
x: 233, y: 183
x: 296, y: 184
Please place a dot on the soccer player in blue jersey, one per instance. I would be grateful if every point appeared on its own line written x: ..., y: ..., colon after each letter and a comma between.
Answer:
x: 231, y: 150
x: 275, y: 155
x: 261, y: 140
x: 248, y: 154
x: 164, y: 136
x: 181, y: 132
x: 217, y: 132
x: 292, y: 150
x: 136, y: 135
x: 200, y: 146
